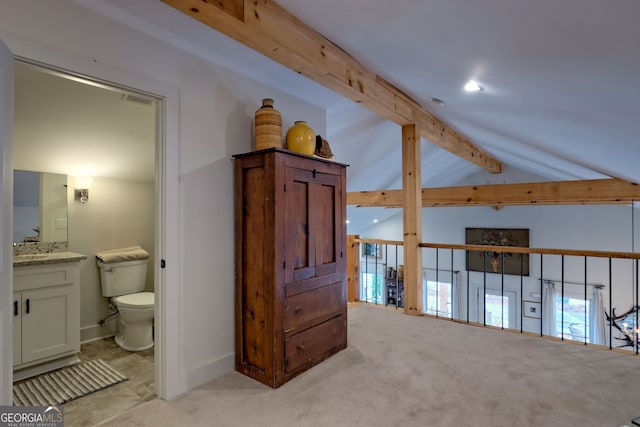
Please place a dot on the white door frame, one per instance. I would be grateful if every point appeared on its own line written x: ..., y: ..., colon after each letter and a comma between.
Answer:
x: 6, y: 225
x: 167, y: 237
x: 514, y: 303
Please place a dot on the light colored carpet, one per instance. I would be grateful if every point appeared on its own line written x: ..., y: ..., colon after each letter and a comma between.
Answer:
x: 66, y: 384
x: 416, y: 371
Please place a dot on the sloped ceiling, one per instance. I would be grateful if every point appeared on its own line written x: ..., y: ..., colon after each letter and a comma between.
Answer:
x: 560, y: 77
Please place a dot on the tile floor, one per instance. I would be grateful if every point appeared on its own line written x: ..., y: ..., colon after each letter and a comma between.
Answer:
x: 94, y: 408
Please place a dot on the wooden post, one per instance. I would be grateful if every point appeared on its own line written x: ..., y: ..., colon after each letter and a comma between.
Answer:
x: 353, y: 268
x: 412, y: 219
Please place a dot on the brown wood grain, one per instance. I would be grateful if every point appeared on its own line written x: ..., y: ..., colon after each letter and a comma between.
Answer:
x: 353, y: 268
x: 550, y: 251
x: 309, y: 346
x: 305, y: 307
x: 584, y: 192
x: 290, y: 261
x: 253, y: 286
x: 412, y: 219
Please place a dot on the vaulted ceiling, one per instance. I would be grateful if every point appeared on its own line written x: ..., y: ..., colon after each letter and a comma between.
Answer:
x: 560, y: 79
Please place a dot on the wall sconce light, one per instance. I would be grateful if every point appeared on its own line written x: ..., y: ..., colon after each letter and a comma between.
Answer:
x: 81, y: 191
x: 81, y: 194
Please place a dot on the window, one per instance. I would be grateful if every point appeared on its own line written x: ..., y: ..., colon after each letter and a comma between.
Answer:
x: 371, y: 288
x: 576, y: 318
x: 437, y: 299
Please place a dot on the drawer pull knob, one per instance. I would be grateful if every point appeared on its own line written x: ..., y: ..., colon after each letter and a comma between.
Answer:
x: 297, y: 310
x: 300, y: 347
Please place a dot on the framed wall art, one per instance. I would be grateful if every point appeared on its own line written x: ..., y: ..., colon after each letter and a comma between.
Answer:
x: 372, y: 250
x: 532, y: 309
x: 498, y: 262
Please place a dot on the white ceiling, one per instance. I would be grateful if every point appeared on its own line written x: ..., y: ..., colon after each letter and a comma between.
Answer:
x: 561, y: 81
x: 561, y: 78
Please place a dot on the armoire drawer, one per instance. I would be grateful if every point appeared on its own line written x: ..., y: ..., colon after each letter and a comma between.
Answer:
x: 312, y: 344
x: 318, y: 303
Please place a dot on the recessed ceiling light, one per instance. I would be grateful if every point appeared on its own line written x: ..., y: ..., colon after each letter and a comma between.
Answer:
x: 375, y: 220
x: 347, y: 221
x: 472, y: 86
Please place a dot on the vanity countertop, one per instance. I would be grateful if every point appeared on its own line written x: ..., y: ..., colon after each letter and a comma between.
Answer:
x: 46, y: 258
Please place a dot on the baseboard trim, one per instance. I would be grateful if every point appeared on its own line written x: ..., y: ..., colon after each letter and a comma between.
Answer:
x: 209, y: 371
x: 41, y: 368
x: 97, y: 332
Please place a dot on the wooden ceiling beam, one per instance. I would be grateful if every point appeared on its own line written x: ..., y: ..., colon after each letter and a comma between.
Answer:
x: 586, y: 192
x: 266, y: 27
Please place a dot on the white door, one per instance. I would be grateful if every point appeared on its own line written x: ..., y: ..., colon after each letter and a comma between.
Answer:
x: 498, y: 308
x: 6, y: 211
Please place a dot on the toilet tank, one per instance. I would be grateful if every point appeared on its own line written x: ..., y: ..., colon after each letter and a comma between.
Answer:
x: 123, y: 278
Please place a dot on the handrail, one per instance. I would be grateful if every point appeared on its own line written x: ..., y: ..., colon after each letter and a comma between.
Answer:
x: 544, y: 251
x: 512, y: 249
x: 380, y: 241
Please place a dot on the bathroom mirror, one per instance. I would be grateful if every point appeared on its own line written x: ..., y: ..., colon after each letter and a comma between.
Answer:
x: 39, y: 207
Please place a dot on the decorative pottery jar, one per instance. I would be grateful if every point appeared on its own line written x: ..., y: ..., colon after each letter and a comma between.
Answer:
x: 301, y: 138
x: 268, y: 124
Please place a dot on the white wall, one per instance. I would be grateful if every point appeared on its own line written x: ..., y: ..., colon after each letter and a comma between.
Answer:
x: 214, y: 112
x: 607, y: 228
x: 119, y: 213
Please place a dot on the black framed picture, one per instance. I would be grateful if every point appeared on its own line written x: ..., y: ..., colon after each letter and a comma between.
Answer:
x: 372, y: 250
x: 498, y: 262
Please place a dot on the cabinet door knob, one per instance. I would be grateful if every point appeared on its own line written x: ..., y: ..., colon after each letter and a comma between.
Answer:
x: 297, y: 310
x: 15, y: 308
x: 28, y: 305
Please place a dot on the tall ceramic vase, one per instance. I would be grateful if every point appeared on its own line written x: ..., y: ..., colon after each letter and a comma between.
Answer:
x: 495, y: 264
x: 301, y: 138
x: 268, y: 124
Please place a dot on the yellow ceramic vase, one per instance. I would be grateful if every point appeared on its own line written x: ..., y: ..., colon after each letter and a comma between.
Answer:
x: 301, y: 138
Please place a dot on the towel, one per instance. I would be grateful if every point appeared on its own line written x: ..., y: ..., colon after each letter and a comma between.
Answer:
x: 131, y: 253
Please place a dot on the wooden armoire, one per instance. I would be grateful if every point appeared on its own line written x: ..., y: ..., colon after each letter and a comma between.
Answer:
x: 290, y: 251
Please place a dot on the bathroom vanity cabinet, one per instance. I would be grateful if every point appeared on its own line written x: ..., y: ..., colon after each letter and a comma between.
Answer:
x: 46, y: 317
x: 291, y: 298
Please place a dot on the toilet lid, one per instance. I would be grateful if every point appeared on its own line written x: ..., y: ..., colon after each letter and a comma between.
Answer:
x: 137, y: 300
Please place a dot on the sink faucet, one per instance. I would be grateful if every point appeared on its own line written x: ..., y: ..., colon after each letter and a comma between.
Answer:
x: 35, y: 238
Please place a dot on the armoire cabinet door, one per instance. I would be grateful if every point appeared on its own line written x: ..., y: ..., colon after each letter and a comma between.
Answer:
x: 326, y: 220
x: 313, y: 224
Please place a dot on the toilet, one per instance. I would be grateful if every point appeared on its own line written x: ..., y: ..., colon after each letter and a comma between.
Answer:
x: 124, y: 283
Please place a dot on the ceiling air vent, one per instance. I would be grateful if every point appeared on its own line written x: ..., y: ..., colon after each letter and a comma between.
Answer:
x: 136, y: 99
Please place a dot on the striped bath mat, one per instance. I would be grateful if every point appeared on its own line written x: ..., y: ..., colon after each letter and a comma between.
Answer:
x: 66, y: 384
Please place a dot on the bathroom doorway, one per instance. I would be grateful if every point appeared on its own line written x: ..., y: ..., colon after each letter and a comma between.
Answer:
x: 87, y: 129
